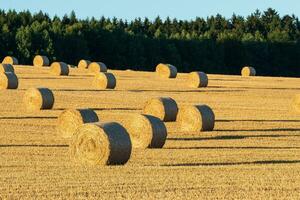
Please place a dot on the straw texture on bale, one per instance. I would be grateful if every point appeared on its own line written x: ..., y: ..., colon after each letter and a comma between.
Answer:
x: 6, y: 68
x: 196, y: 118
x: 8, y: 80
x: 296, y: 103
x: 96, y: 67
x: 99, y: 144
x: 70, y: 120
x: 105, y: 80
x: 40, y: 61
x: 59, y: 69
x: 164, y: 108
x: 83, y: 64
x: 248, y: 71
x: 10, y: 60
x: 146, y: 131
x: 198, y: 79
x: 38, y: 99
x: 166, y: 70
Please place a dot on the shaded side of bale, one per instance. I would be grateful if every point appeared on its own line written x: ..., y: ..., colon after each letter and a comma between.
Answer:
x: 83, y: 64
x: 196, y: 118
x: 40, y: 61
x: 10, y: 60
x: 59, y: 69
x: 164, y: 108
x: 100, y: 144
x: 8, y: 80
x: 120, y: 143
x: 198, y: 79
x: 6, y: 68
x: 96, y: 67
x: 166, y: 70
x: 248, y: 71
x: 145, y: 131
x: 70, y: 120
x: 38, y: 99
x: 105, y: 80
x: 159, y: 132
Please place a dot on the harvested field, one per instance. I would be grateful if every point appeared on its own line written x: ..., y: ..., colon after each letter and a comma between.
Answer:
x: 253, y: 152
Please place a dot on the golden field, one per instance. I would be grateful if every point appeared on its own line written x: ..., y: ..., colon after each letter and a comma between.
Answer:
x: 253, y: 153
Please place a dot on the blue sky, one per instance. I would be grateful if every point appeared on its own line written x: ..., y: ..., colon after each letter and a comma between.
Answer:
x: 130, y: 9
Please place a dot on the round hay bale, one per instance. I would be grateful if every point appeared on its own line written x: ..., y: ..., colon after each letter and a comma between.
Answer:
x: 166, y: 70
x: 196, y: 118
x: 8, y: 80
x: 164, y: 108
x: 83, y: 64
x: 10, y: 60
x: 198, y: 79
x: 296, y: 103
x: 70, y: 120
x: 146, y: 131
x: 38, y: 99
x: 96, y: 67
x: 248, y: 71
x: 105, y: 80
x: 40, y: 61
x: 6, y: 68
x: 59, y: 69
x: 99, y: 144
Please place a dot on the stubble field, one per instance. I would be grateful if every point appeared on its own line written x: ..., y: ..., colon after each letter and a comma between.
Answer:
x: 253, y: 153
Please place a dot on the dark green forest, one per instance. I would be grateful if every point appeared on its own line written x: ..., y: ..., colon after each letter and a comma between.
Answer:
x: 265, y: 40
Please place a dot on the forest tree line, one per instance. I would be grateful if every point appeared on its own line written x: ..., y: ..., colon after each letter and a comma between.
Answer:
x: 265, y: 40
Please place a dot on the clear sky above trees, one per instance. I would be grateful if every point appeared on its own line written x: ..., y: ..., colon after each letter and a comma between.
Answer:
x: 130, y: 9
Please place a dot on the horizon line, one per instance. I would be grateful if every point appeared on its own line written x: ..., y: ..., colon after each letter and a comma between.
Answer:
x: 52, y: 16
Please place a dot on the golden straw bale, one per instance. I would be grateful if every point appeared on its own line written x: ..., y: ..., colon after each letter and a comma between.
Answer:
x: 83, y: 64
x: 105, y: 80
x: 38, y: 99
x: 146, y: 131
x: 8, y: 80
x: 164, y: 108
x: 10, y: 60
x: 248, y: 71
x: 70, y: 120
x: 196, y: 118
x: 166, y: 70
x: 99, y: 144
x: 198, y: 79
x: 96, y: 67
x: 6, y: 68
x: 40, y: 61
x: 59, y: 69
